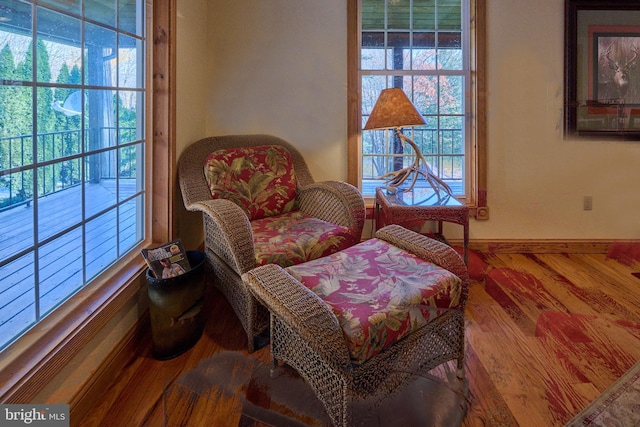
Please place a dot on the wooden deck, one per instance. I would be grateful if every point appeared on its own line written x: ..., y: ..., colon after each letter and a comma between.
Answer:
x: 30, y: 287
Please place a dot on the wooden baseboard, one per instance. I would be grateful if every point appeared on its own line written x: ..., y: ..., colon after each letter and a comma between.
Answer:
x: 136, y: 341
x: 543, y: 246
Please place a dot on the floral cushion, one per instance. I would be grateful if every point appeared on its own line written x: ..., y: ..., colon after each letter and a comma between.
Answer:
x: 379, y: 293
x: 293, y: 238
x: 261, y: 180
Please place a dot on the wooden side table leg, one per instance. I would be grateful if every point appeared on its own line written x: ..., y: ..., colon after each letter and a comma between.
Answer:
x: 465, y: 242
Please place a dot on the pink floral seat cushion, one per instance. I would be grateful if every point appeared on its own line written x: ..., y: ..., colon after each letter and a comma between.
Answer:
x: 293, y: 238
x: 379, y: 293
x: 261, y: 180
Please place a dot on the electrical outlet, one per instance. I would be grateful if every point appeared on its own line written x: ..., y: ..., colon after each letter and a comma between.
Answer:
x: 587, y: 203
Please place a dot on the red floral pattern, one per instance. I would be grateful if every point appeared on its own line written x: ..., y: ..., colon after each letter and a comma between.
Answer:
x: 294, y: 238
x: 379, y: 293
x: 261, y: 180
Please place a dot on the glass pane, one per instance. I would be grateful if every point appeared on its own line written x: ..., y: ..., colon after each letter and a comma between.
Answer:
x: 100, y: 187
x: 46, y: 121
x: 425, y: 94
x: 449, y: 59
x: 451, y: 135
x: 60, y: 269
x: 372, y: 59
x: 16, y: 213
x: 449, y: 14
x: 129, y: 71
x: 450, y: 51
x: 17, y: 299
x: 58, y: 43
x: 398, y: 52
x: 67, y: 133
x: 13, y: 46
x: 424, y: 52
x: 16, y: 127
x: 451, y: 95
x: 426, y: 137
x: 100, y: 53
x: 101, y: 241
x: 15, y: 151
x: 131, y: 231
x: 103, y: 11
x: 130, y: 178
x: 129, y: 127
x: 61, y: 142
x: 73, y: 6
x: 130, y: 17
x: 371, y: 88
x: 59, y: 205
x: 100, y: 120
x: 453, y: 168
x: 372, y: 14
x: 374, y: 146
x: 424, y: 14
x: 424, y: 39
x: 398, y: 14
x: 424, y: 59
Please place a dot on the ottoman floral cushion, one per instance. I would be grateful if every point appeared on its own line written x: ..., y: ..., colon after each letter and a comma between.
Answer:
x: 379, y: 293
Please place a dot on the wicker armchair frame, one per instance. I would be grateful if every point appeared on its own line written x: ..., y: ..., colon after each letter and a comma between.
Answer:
x: 228, y: 237
x: 305, y: 333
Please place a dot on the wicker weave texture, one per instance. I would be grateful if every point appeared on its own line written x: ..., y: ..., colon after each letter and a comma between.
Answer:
x: 305, y: 333
x: 228, y: 237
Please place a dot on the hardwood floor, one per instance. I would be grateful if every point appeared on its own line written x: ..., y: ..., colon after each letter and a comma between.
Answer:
x: 546, y: 334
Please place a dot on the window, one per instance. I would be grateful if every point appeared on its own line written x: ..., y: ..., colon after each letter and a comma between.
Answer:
x: 430, y: 50
x: 72, y: 149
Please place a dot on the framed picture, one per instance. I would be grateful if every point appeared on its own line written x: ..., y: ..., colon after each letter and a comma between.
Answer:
x: 602, y: 68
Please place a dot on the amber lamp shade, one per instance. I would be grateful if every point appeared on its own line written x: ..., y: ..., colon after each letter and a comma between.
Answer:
x: 393, y: 109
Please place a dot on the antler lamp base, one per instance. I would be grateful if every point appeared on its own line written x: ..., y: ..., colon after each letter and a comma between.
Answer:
x: 396, y: 178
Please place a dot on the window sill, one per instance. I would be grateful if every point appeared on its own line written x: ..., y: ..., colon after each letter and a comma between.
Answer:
x: 35, y: 358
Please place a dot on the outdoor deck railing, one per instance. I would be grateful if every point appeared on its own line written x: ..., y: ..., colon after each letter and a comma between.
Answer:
x: 16, y: 152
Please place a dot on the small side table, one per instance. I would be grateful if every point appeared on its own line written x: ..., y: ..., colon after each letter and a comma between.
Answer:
x: 421, y: 204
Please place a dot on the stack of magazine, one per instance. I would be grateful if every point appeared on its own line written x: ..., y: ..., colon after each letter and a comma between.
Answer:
x: 167, y: 261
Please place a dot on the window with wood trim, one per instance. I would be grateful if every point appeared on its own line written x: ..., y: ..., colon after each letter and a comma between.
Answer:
x: 72, y: 149
x: 35, y: 358
x: 432, y: 49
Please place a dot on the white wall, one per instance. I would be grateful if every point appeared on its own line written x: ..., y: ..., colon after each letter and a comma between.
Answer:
x: 194, y: 60
x: 279, y: 67
x: 536, y: 178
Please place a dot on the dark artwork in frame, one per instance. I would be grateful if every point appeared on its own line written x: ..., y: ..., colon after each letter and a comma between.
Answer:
x: 602, y: 76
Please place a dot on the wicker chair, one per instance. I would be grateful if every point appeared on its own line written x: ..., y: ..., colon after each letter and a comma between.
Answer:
x: 231, y: 246
x: 307, y: 335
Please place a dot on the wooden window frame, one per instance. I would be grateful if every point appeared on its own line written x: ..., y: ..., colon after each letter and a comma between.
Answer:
x: 37, y: 357
x: 477, y: 197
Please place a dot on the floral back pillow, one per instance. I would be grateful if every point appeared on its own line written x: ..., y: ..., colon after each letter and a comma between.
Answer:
x: 261, y: 180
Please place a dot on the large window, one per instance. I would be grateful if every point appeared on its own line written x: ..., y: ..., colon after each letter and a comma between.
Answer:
x: 427, y: 48
x: 72, y: 147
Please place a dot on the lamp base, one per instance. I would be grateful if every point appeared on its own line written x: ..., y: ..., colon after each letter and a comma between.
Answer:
x: 396, y: 178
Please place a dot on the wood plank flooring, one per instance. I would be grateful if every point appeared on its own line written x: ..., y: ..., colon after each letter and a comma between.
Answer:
x: 546, y: 334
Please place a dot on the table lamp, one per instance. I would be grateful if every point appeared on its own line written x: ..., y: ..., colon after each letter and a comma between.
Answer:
x: 393, y: 110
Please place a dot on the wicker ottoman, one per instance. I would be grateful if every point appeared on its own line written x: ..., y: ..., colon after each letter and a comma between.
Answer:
x: 362, y: 322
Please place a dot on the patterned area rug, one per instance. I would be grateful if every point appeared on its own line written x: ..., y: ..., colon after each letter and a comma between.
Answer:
x: 618, y: 406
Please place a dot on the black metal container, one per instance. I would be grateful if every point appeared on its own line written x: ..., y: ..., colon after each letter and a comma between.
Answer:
x: 176, y: 305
